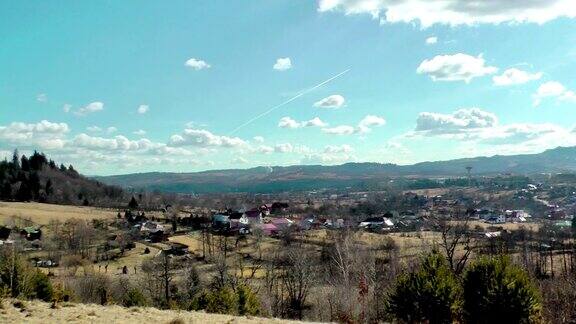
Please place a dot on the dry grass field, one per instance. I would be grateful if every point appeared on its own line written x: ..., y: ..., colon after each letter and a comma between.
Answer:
x: 44, y: 213
x: 43, y: 313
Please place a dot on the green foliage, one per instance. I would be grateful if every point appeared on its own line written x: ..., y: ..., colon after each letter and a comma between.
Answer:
x: 18, y: 279
x: 497, y: 291
x: 248, y: 303
x: 222, y: 301
x: 134, y: 297
x: 430, y: 293
x: 38, y: 286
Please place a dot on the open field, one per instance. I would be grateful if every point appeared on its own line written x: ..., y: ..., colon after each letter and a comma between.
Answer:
x: 40, y: 312
x: 44, y: 213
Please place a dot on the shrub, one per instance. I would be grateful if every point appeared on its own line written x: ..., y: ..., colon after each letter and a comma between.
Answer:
x: 222, y: 301
x: 497, y: 291
x: 248, y: 303
x: 428, y: 294
x: 134, y: 297
x: 38, y: 286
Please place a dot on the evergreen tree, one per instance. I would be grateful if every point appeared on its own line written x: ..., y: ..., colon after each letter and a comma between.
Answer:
x: 23, y: 193
x: 24, y: 163
x: 6, y: 191
x: 16, y: 160
x: 428, y: 294
x: 496, y: 291
x: 34, y: 185
x: 133, y: 204
x: 49, y: 188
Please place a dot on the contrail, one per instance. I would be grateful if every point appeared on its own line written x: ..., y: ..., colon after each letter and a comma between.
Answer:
x: 288, y: 101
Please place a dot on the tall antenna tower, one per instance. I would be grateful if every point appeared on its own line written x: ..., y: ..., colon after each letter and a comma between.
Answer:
x: 469, y: 172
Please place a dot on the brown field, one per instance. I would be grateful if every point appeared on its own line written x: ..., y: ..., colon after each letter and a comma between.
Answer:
x: 44, y: 213
x: 42, y: 313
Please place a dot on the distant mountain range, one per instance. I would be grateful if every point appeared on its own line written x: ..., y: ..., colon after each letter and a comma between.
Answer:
x: 355, y: 175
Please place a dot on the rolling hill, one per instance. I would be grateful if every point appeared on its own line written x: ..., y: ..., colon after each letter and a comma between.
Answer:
x: 356, y: 175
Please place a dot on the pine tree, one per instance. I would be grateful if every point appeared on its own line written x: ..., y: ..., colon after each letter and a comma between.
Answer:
x: 16, y: 160
x: 133, y: 204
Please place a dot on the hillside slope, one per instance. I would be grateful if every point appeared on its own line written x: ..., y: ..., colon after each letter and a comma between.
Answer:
x: 42, y: 313
x: 360, y: 175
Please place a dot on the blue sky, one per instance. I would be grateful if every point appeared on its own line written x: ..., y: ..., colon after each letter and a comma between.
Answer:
x: 131, y: 86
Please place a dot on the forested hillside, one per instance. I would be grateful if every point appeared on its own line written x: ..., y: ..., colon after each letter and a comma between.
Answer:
x: 37, y: 178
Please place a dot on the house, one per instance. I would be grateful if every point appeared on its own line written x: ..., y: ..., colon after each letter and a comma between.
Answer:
x: 31, y: 233
x: 517, y: 216
x: 221, y: 222
x: 269, y: 229
x: 496, y: 219
x: 238, y: 220
x: 253, y: 216
x: 151, y: 227
x: 282, y: 223
x: 307, y: 222
x: 377, y: 222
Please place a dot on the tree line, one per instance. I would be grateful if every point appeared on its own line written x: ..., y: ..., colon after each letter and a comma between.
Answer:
x: 37, y: 178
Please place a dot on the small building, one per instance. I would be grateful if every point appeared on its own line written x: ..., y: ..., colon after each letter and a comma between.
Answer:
x: 31, y: 233
x: 496, y: 219
x: 221, y: 223
x: 253, y: 217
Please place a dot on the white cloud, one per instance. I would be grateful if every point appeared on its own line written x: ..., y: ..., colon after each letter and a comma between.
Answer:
x: 265, y: 149
x: 481, y: 127
x: 258, y: 139
x: 340, y: 130
x: 204, y: 138
x: 42, y: 97
x: 140, y: 132
x: 111, y: 130
x: 315, y: 122
x: 197, y: 64
x: 460, y: 121
x: 345, y: 148
x: 44, y: 134
x: 553, y: 89
x: 90, y: 108
x: 333, y: 101
x: 454, y: 12
x: 66, y: 108
x: 239, y: 160
x: 330, y: 155
x: 288, y: 122
x: 94, y: 129
x: 431, y: 40
x: 142, y: 109
x: 283, y: 148
x: 366, y: 124
x: 457, y: 67
x: 283, y: 64
x: 120, y: 143
x: 515, y: 76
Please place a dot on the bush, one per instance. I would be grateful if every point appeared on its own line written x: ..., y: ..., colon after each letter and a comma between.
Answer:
x: 38, y: 286
x: 134, y: 297
x: 221, y: 301
x: 429, y: 294
x: 497, y: 291
x: 248, y: 303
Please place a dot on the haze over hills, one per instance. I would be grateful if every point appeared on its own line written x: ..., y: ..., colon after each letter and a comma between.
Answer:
x: 356, y: 175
